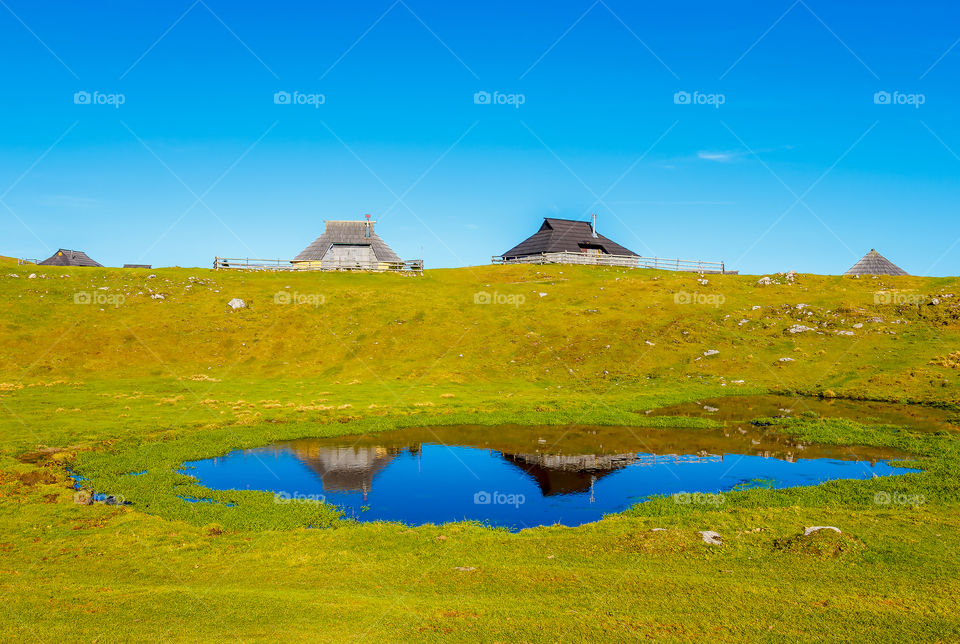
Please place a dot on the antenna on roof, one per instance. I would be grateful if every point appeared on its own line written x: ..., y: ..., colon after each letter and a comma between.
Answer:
x: 593, y: 225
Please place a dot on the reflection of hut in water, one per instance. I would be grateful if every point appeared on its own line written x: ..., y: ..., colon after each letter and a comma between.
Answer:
x: 344, y: 469
x: 568, y: 474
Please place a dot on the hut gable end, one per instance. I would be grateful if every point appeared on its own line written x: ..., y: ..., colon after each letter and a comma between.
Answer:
x: 353, y: 238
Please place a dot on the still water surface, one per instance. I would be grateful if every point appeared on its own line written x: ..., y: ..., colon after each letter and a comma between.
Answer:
x: 519, y: 477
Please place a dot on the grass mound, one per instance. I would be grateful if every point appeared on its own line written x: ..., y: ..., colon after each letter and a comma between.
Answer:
x: 822, y: 544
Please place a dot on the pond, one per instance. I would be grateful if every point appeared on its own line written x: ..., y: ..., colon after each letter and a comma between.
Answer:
x: 520, y: 476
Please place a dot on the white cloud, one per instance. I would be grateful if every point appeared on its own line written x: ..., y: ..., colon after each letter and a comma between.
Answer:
x: 720, y: 157
x: 725, y: 156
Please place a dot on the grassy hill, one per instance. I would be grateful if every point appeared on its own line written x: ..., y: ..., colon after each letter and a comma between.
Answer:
x: 552, y: 324
x: 108, y: 372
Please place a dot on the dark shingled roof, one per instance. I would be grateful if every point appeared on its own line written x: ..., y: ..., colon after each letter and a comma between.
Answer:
x: 558, y: 235
x: 64, y: 257
x: 873, y: 263
x: 347, y: 232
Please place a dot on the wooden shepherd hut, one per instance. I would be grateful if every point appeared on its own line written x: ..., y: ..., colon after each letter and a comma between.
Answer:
x: 873, y: 263
x: 346, y: 245
x: 567, y: 241
x: 64, y: 257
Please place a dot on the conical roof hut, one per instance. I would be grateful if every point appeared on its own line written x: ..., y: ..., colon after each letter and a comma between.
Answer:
x: 873, y: 263
x: 348, y: 244
x: 64, y: 257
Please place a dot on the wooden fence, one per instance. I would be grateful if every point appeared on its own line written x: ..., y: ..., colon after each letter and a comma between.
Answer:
x: 248, y: 264
x: 626, y: 261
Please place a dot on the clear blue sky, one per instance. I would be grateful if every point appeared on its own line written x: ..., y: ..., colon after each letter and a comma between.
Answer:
x: 799, y: 168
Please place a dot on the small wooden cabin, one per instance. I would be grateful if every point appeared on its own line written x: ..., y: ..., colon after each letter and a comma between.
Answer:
x: 567, y: 236
x: 64, y: 257
x: 346, y: 245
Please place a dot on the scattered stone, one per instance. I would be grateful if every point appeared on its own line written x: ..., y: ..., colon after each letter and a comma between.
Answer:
x: 150, y: 277
x: 658, y: 529
x: 764, y: 281
x: 647, y: 341
x: 808, y: 531
x: 711, y: 538
x: 843, y: 332
x: 12, y: 275
x: 464, y: 568
x: 786, y: 360
x: 858, y: 325
x: 158, y: 296
x: 799, y: 328
x: 33, y: 276
x: 541, y: 294
x: 933, y: 302
x: 710, y: 352
x: 237, y: 303
x: 710, y: 409
x: 755, y: 307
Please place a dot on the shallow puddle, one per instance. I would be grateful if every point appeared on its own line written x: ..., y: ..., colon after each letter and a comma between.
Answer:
x: 519, y: 477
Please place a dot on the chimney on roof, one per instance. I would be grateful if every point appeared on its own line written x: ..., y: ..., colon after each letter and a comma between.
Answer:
x: 366, y: 229
x: 593, y: 225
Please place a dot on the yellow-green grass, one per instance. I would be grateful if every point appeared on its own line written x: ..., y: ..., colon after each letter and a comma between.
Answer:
x: 129, y: 384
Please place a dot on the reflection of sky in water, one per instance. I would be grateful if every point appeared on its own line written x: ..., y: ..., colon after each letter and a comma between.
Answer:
x: 433, y: 483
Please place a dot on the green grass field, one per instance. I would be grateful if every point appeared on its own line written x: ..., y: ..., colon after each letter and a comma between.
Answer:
x: 105, y: 372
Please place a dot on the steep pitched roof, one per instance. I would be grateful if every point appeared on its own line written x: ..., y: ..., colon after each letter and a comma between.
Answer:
x: 558, y: 235
x: 873, y: 263
x: 64, y: 257
x: 347, y: 232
